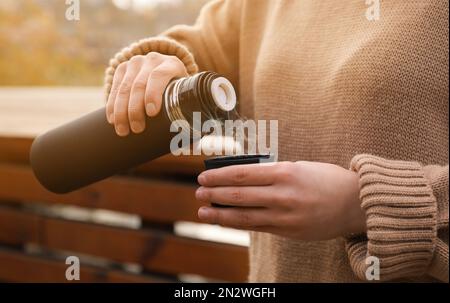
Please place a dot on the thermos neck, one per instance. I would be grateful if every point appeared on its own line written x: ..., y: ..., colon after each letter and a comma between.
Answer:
x: 208, y: 93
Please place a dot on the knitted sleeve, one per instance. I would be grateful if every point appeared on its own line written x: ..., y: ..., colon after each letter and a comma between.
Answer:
x: 210, y: 44
x: 406, y: 206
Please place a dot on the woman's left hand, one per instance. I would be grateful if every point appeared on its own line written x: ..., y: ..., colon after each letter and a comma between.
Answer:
x: 302, y: 200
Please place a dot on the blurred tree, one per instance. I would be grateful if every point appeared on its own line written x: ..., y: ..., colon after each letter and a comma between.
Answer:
x: 38, y: 46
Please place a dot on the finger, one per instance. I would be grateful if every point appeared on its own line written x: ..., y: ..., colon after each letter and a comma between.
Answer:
x: 121, y: 104
x: 241, y: 196
x: 117, y: 80
x: 159, y: 79
x: 136, y: 107
x: 239, y: 175
x: 240, y: 218
x: 265, y: 229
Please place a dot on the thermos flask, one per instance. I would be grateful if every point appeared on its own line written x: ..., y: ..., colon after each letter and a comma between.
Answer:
x: 88, y: 150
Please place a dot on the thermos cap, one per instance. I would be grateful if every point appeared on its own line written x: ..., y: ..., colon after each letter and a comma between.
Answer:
x: 223, y: 94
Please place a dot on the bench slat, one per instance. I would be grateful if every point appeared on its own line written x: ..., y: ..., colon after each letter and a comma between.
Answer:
x: 22, y: 267
x: 154, y: 250
x: 156, y: 200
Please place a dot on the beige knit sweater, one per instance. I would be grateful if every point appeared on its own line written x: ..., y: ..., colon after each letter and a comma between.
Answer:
x: 367, y: 95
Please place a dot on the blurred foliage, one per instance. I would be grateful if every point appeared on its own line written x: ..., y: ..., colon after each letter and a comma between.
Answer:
x: 38, y: 46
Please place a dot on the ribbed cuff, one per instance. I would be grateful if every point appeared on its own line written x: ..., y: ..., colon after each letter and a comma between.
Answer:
x: 401, y: 218
x: 161, y: 45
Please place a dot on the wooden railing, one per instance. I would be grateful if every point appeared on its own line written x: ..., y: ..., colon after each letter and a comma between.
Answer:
x: 35, y: 240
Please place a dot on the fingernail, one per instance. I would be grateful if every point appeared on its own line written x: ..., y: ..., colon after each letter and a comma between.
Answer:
x: 137, y: 127
x: 203, y: 213
x: 200, y: 194
x: 122, y: 130
x: 201, y: 179
x: 151, y: 109
x: 111, y: 118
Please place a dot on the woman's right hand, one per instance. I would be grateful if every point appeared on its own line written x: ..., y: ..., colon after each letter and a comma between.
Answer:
x: 137, y: 90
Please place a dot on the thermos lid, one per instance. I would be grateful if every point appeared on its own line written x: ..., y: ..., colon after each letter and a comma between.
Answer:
x: 223, y: 94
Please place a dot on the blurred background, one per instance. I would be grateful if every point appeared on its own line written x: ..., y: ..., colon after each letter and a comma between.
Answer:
x: 39, y: 46
x: 141, y: 226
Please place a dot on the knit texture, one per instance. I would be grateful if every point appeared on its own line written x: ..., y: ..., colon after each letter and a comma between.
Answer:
x: 145, y: 46
x: 401, y: 217
x: 371, y: 96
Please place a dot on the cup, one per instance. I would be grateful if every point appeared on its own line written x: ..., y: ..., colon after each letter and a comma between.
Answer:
x: 223, y: 161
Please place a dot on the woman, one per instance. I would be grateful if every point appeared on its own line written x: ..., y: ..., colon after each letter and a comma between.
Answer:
x: 349, y: 92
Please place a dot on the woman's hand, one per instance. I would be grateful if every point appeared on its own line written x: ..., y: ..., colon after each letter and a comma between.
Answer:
x: 137, y: 90
x: 303, y: 200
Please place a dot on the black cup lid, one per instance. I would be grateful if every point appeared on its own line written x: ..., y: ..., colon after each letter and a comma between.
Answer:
x: 223, y: 161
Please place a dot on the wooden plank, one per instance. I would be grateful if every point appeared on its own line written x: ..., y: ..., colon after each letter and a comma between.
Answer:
x: 16, y: 266
x: 155, y: 200
x: 16, y: 150
x: 155, y: 250
x: 18, y: 228
x: 27, y: 111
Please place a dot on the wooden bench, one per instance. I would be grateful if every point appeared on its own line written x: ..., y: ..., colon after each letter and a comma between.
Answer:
x: 37, y: 232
